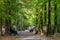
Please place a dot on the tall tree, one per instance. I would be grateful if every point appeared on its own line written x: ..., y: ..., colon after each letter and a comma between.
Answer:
x: 8, y: 20
x: 45, y: 19
x: 1, y: 26
x: 36, y: 17
x: 11, y: 9
x: 45, y: 15
x: 49, y: 20
x: 41, y: 21
x: 55, y: 14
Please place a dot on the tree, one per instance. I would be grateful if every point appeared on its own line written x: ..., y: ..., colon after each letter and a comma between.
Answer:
x: 45, y: 14
x: 41, y: 21
x: 8, y: 20
x: 36, y: 17
x: 10, y: 9
x: 1, y: 26
x: 55, y: 14
x: 49, y: 20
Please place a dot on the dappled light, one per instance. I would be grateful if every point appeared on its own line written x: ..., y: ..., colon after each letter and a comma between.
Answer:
x: 29, y: 19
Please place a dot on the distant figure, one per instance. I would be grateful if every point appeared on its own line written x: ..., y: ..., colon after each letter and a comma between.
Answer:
x: 32, y: 29
x: 36, y: 31
x: 45, y: 30
x: 13, y: 31
x: 3, y: 30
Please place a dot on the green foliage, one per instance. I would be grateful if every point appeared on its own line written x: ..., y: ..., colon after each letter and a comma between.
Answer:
x: 25, y: 11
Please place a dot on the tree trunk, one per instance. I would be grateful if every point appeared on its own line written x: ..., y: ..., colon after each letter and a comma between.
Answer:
x: 41, y: 22
x: 45, y: 19
x: 18, y: 26
x: 7, y: 23
x: 1, y: 26
x: 36, y: 17
x: 45, y: 15
x: 8, y: 20
x: 55, y: 10
x: 7, y: 26
x: 49, y: 20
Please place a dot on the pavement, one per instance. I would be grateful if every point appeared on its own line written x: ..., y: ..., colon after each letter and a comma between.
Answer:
x: 25, y: 35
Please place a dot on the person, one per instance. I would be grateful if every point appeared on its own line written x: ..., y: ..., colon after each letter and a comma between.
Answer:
x: 32, y: 29
x: 36, y: 31
x: 3, y: 30
x: 13, y: 31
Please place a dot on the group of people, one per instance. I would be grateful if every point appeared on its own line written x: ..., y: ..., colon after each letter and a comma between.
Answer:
x: 31, y: 29
x: 11, y: 30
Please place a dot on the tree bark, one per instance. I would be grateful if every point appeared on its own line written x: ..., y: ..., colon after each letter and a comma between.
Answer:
x: 36, y: 17
x: 45, y: 15
x: 8, y: 20
x: 7, y: 26
x: 1, y: 26
x: 18, y: 26
x: 55, y: 10
x: 49, y: 20
x: 41, y: 22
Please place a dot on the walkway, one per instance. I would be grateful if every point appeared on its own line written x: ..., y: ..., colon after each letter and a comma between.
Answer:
x: 29, y: 36
x: 26, y: 36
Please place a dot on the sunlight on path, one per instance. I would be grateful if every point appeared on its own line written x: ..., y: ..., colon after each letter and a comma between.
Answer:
x: 35, y: 37
x: 25, y: 36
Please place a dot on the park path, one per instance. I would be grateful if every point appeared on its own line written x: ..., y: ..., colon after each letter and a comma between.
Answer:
x: 34, y: 37
x: 30, y: 36
x: 26, y: 36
